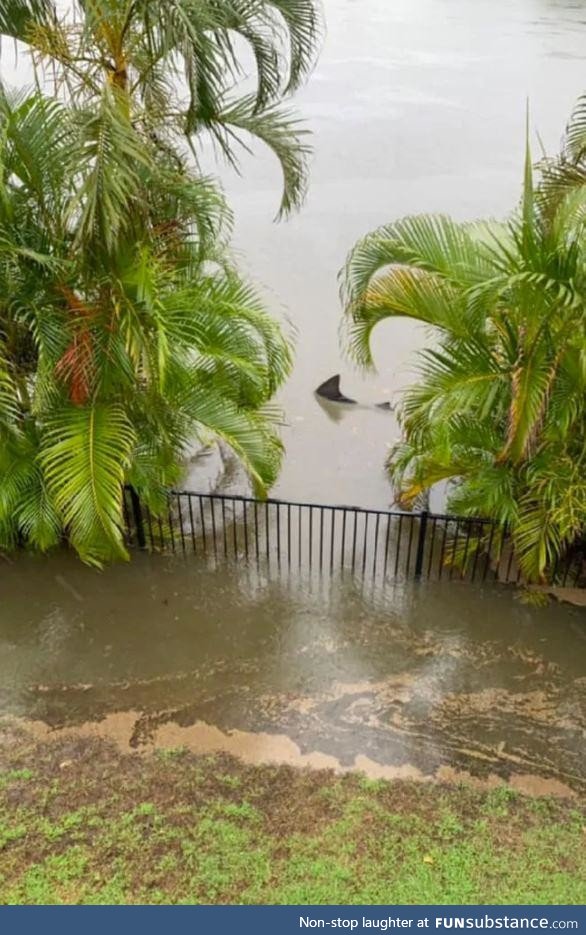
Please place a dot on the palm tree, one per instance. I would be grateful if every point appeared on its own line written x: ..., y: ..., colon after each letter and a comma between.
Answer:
x: 170, y: 71
x: 499, y: 411
x: 125, y: 331
x: 566, y: 173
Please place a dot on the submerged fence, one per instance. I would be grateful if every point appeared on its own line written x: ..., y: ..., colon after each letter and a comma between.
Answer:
x: 296, y: 536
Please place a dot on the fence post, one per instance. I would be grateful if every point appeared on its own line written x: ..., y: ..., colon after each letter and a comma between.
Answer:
x: 138, y: 520
x: 421, y: 543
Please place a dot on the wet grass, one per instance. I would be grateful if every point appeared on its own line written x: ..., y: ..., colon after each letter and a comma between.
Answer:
x: 81, y: 823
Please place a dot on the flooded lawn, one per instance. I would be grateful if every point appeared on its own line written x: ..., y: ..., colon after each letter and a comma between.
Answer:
x: 430, y: 680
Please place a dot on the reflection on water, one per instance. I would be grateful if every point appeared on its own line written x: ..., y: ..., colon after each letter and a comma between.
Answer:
x: 428, y: 677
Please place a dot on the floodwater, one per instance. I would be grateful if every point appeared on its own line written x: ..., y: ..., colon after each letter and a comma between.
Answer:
x: 416, y: 105
x: 437, y: 680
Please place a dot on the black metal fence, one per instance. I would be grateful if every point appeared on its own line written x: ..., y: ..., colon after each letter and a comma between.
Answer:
x: 388, y: 545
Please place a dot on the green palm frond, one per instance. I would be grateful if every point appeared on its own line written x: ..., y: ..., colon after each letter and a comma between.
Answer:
x: 499, y: 409
x: 529, y: 215
x: 16, y: 470
x: 199, y: 207
x: 38, y: 521
x: 487, y: 489
x: 560, y: 179
x: 249, y: 434
x: 457, y: 379
x: 410, y: 293
x: 17, y: 16
x: 531, y: 382
x: 430, y: 243
x: 537, y: 539
x: 279, y: 130
x: 225, y: 313
x: 569, y: 221
x: 85, y: 452
x: 40, y: 148
x: 566, y: 174
x: 9, y: 408
x: 284, y: 36
x: 575, y: 138
x: 305, y: 28
x: 110, y: 163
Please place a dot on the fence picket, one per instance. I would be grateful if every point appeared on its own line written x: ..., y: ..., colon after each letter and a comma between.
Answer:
x: 431, y: 546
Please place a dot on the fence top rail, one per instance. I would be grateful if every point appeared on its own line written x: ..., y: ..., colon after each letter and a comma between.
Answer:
x: 342, y: 507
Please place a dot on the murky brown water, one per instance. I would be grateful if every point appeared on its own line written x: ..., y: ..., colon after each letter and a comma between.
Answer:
x: 416, y: 105
x: 427, y: 680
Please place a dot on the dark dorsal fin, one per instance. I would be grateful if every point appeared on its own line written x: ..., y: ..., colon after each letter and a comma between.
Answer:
x: 330, y: 389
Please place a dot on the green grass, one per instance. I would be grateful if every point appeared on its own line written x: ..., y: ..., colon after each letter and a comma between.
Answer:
x: 82, y: 823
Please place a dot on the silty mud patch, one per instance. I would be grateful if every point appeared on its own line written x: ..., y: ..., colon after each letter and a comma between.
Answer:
x: 261, y: 748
